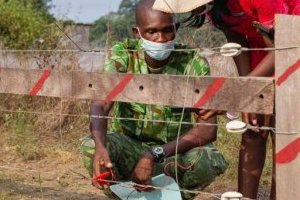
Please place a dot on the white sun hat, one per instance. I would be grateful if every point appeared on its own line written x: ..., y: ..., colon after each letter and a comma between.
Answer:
x: 178, y: 6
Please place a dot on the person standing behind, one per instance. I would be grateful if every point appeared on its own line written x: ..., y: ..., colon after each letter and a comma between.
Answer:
x: 138, y: 149
x: 249, y: 23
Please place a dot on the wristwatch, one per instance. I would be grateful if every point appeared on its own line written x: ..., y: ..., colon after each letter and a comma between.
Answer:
x: 158, y: 154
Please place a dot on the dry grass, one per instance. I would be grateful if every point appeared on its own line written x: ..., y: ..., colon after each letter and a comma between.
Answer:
x: 48, y: 145
x: 39, y: 143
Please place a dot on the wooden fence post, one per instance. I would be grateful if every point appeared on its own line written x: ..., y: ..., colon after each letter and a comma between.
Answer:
x: 287, y: 107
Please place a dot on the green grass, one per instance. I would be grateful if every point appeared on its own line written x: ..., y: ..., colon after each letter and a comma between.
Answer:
x: 229, y: 145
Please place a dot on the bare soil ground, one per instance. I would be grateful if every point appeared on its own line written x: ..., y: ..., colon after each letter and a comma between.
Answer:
x: 46, y: 163
x: 60, y: 175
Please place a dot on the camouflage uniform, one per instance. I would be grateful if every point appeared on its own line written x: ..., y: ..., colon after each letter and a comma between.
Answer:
x: 128, y: 139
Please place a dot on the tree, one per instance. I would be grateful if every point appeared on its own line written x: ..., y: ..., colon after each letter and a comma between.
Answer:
x: 22, y: 22
x: 42, y: 6
x: 115, y: 25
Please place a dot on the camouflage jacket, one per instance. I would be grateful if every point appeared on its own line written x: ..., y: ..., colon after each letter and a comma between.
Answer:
x: 126, y: 58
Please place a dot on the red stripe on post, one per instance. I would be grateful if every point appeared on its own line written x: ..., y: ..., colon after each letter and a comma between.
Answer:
x: 39, y: 84
x: 288, y: 153
x: 210, y: 92
x: 119, y: 88
x: 288, y: 73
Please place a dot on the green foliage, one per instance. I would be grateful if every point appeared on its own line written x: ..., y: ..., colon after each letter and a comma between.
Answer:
x: 115, y: 25
x: 127, y: 7
x: 22, y: 22
x: 41, y: 6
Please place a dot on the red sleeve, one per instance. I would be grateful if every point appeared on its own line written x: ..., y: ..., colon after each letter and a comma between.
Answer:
x: 294, y: 6
x: 264, y: 10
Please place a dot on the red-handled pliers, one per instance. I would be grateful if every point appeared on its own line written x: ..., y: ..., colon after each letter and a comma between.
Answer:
x: 101, y: 178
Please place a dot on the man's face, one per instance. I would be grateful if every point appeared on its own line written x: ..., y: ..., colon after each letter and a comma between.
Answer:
x: 156, y: 26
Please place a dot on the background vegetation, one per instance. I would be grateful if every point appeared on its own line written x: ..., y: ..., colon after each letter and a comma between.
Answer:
x: 116, y: 26
x: 40, y: 136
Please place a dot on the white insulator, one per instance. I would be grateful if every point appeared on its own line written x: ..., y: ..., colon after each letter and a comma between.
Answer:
x: 231, y: 49
x: 236, y: 126
x: 232, y: 115
x: 231, y: 196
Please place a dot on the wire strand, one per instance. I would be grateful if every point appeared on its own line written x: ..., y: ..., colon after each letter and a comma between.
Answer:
x: 155, y: 121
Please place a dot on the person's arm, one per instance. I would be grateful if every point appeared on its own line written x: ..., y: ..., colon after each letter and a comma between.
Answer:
x: 98, y: 125
x: 195, y: 137
x: 117, y: 62
x: 242, y: 61
x: 98, y: 128
x: 265, y: 12
x: 266, y: 67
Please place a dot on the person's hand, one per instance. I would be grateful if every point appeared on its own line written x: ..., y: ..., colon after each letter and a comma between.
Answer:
x: 251, y: 119
x: 207, y: 114
x: 101, y: 164
x: 143, y: 171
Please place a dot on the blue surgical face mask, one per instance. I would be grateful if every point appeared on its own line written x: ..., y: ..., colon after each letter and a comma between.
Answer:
x: 156, y: 50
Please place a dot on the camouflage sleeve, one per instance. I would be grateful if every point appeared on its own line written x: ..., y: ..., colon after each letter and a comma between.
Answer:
x: 118, y: 60
x: 200, y: 65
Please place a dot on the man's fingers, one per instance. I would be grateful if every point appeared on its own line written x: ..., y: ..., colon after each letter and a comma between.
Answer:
x: 96, y: 167
x: 105, y: 160
x: 96, y: 184
x: 245, y: 118
x: 143, y: 188
x: 202, y: 112
x: 96, y: 171
x: 208, y: 115
x: 107, y: 163
x: 254, y: 119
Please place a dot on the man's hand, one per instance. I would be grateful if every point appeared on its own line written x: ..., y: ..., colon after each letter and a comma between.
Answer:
x: 251, y: 119
x: 101, y: 164
x: 142, y: 172
x: 207, y: 114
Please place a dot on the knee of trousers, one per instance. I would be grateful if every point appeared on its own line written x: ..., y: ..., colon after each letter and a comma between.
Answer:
x: 207, y: 164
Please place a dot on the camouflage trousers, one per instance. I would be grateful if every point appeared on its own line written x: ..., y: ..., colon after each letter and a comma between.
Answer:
x: 199, y: 168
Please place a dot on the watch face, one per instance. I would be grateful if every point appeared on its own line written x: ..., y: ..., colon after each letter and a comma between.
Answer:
x: 158, y: 150
x: 158, y: 153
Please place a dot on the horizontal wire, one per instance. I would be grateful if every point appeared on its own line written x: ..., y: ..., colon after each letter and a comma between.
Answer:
x: 207, y: 50
x: 249, y: 127
x: 213, y: 49
x: 110, y: 117
x: 124, y: 184
x: 133, y: 185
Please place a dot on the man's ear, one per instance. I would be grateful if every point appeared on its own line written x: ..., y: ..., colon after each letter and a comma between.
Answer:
x: 135, y: 32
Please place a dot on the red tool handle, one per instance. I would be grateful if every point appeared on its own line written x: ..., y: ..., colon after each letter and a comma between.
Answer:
x: 101, y: 177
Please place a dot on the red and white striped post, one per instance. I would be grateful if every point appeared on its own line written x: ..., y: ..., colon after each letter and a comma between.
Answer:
x: 287, y: 107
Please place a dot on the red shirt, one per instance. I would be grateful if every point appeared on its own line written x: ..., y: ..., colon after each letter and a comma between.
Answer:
x: 244, y: 12
x: 264, y: 10
x: 294, y: 6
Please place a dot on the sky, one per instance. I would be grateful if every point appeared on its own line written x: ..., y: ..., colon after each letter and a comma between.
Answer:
x: 83, y: 11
